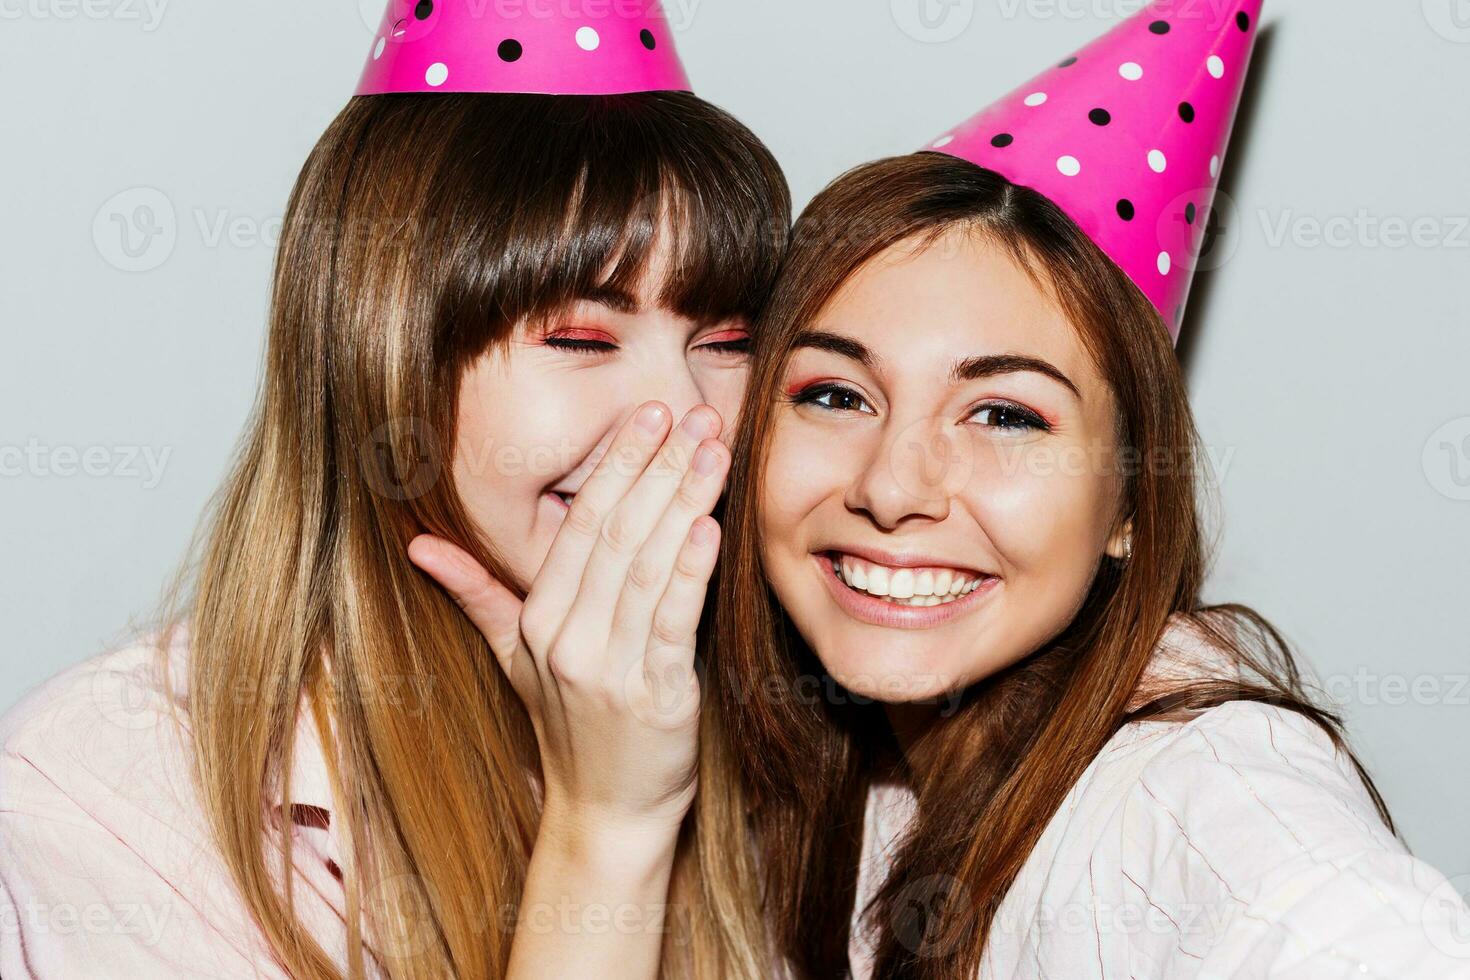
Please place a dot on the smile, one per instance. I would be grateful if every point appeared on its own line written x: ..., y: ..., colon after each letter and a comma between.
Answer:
x: 908, y: 595
x: 905, y: 586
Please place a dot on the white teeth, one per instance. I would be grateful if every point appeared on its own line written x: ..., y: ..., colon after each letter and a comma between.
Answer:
x: 942, y: 582
x: 904, y: 586
x: 901, y: 586
x: 924, y: 583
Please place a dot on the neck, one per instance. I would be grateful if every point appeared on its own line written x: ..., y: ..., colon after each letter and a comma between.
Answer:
x: 910, y: 723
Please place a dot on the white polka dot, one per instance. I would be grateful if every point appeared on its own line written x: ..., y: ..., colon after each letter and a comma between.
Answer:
x: 943, y: 141
x: 1165, y: 263
x: 1214, y: 166
x: 1156, y: 161
x: 1070, y: 166
x: 379, y: 48
x: 1131, y: 70
x: 588, y: 39
x: 1036, y: 98
x: 437, y: 74
x: 1216, y: 66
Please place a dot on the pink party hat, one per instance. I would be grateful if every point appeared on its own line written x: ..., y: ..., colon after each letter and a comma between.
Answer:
x: 1127, y: 136
x: 573, y: 47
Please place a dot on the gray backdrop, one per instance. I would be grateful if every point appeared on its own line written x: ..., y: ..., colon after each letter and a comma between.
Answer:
x: 149, y: 146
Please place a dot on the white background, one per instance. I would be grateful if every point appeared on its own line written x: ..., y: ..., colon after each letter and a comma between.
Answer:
x: 1327, y: 358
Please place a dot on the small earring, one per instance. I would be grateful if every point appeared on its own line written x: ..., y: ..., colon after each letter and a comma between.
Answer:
x: 1128, y: 549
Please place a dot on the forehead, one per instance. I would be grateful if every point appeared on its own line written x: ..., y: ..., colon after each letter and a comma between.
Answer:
x: 926, y: 306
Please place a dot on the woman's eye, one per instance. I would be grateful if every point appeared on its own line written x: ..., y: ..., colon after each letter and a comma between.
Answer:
x: 1009, y: 418
x: 728, y: 347
x: 579, y: 344
x: 834, y: 398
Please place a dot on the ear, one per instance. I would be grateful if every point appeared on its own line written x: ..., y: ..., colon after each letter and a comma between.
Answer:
x: 1118, y: 541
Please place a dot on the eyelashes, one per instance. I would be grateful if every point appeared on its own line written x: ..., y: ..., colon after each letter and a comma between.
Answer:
x: 580, y: 342
x: 831, y: 396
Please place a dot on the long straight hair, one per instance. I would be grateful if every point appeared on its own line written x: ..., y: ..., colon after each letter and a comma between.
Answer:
x: 421, y: 231
x: 796, y: 769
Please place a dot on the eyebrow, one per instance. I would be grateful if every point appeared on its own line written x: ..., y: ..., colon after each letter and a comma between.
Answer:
x: 970, y: 369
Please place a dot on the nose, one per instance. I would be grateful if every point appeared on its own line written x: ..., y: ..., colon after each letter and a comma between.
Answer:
x: 905, y: 476
x: 669, y: 382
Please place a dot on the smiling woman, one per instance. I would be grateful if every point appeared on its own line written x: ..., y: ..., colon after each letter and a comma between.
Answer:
x: 1040, y: 733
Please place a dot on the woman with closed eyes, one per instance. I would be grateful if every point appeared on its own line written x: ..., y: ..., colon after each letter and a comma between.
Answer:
x: 975, y: 707
x: 508, y: 336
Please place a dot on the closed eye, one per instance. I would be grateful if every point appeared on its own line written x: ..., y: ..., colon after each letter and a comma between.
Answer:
x: 736, y: 348
x: 581, y: 341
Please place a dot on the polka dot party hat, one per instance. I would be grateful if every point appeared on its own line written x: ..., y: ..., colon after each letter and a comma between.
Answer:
x: 570, y: 47
x: 1127, y: 136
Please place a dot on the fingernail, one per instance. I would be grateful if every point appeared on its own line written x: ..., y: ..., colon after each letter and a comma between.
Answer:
x: 698, y: 424
x: 703, y: 533
x: 651, y: 418
x: 706, y: 461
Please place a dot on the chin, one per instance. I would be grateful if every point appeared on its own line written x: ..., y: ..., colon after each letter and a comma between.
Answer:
x: 885, y: 665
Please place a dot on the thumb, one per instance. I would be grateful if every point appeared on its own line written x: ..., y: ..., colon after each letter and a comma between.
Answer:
x: 493, y: 608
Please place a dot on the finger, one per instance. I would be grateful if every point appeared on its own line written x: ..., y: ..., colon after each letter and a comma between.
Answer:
x: 665, y: 485
x: 493, y: 608
x: 637, y: 442
x: 668, y: 663
x: 651, y: 573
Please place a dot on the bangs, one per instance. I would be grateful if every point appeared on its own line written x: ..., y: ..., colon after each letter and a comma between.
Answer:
x: 555, y: 199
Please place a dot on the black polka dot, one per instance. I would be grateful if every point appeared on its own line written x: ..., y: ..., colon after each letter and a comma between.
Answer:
x: 1126, y: 211
x: 1100, y: 117
x: 1068, y: 63
x: 1159, y: 27
x: 1002, y: 139
x: 1186, y: 112
x: 1243, y: 21
x: 1189, y: 213
x: 648, y: 39
x: 510, y: 50
x: 424, y: 9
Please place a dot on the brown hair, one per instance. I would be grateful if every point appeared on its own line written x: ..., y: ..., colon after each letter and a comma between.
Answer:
x: 1020, y: 738
x: 422, y: 229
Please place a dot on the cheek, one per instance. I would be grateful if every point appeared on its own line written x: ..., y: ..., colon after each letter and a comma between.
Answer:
x: 797, y: 481
x: 520, y: 434
x: 1047, y: 513
x: 723, y: 389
